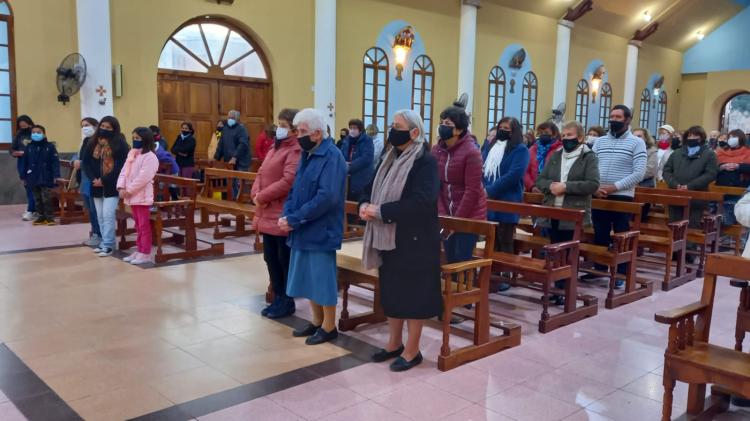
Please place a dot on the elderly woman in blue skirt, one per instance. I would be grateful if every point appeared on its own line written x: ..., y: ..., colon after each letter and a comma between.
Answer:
x: 313, y: 217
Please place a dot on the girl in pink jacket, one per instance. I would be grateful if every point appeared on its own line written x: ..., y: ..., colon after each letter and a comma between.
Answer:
x: 136, y: 187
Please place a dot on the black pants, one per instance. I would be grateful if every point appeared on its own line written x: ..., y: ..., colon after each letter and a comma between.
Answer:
x: 504, y: 237
x: 556, y: 235
x: 43, y: 202
x: 607, y: 221
x: 276, y: 254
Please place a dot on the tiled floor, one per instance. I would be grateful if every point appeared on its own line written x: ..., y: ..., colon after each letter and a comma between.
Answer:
x: 115, y: 342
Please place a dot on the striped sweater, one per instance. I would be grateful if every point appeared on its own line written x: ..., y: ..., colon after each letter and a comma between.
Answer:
x: 622, y: 162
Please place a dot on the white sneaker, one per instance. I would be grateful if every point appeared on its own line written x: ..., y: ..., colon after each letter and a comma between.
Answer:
x: 97, y: 250
x: 104, y: 252
x: 94, y: 240
x: 142, y: 259
x: 27, y: 216
x: 132, y: 257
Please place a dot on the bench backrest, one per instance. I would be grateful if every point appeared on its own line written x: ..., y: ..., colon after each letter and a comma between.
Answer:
x: 718, y: 265
x: 188, y: 187
x: 539, y: 211
x: 632, y: 208
x: 682, y: 202
x: 708, y: 196
x: 220, y: 180
x: 731, y: 191
x: 472, y: 226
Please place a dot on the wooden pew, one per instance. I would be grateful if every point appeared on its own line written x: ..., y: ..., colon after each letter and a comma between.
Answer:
x: 667, y: 238
x: 241, y: 208
x: 352, y: 230
x: 463, y: 283
x: 69, y: 200
x: 735, y: 231
x: 560, y: 263
x: 173, y: 217
x: 707, y: 236
x: 200, y: 166
x: 689, y: 356
x: 623, y: 250
x: 743, y: 312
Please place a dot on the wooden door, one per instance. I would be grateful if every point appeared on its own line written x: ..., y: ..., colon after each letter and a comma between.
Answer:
x: 252, y: 100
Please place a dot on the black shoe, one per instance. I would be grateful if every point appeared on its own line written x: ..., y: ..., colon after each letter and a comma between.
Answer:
x: 274, y: 304
x: 557, y: 300
x: 740, y: 401
x: 383, y: 355
x: 504, y: 286
x: 286, y: 307
x: 402, y: 365
x: 308, y: 330
x: 455, y: 319
x: 322, y: 336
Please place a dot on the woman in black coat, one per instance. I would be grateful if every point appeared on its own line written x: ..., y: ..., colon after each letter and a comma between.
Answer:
x: 402, y: 238
x: 184, y: 150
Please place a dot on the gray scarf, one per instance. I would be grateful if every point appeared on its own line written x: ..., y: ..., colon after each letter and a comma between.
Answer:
x: 387, y: 187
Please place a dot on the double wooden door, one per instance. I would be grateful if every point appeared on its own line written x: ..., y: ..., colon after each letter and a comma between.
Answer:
x: 204, y: 100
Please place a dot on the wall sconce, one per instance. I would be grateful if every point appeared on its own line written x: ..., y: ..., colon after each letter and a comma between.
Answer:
x: 401, y: 48
x: 596, y: 81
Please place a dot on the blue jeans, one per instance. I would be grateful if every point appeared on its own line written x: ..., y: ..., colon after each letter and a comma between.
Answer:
x: 728, y: 217
x: 88, y: 202
x: 105, y: 211
x: 459, y: 247
x: 236, y: 184
x: 30, y: 204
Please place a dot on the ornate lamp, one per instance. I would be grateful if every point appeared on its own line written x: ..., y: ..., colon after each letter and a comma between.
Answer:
x: 596, y: 81
x: 401, y: 48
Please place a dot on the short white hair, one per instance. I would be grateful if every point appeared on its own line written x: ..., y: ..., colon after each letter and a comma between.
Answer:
x: 313, y: 119
x: 413, y: 121
x: 234, y: 114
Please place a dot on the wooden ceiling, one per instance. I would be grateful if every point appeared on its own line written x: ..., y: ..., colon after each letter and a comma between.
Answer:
x: 679, y: 20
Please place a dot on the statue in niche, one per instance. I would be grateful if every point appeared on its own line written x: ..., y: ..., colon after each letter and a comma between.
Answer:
x: 516, y: 62
x: 513, y: 86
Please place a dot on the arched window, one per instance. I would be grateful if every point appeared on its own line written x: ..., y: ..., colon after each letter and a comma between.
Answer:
x: 212, y: 48
x: 582, y: 102
x: 735, y: 114
x: 7, y: 77
x: 375, y: 98
x: 423, y: 83
x: 528, y: 102
x: 661, y: 109
x: 496, y: 97
x: 645, y: 107
x: 605, y: 104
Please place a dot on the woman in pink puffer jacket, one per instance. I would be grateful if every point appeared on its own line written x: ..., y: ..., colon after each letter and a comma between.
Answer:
x: 136, y: 186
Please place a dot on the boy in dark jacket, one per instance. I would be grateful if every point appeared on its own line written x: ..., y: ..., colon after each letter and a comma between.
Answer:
x: 40, y: 166
x: 358, y: 152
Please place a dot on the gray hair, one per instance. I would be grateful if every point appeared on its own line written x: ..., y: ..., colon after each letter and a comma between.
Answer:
x: 234, y: 114
x: 413, y: 121
x: 575, y: 125
x: 312, y: 118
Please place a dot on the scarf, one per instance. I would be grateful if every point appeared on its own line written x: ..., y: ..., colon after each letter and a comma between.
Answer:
x: 740, y: 155
x: 567, y: 159
x: 387, y: 187
x: 495, y: 156
x: 541, y: 154
x: 103, y: 152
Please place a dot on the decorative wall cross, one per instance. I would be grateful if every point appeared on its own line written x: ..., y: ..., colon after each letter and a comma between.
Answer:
x: 102, y: 92
x: 330, y: 109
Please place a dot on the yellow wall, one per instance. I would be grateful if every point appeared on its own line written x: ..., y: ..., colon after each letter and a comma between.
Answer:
x: 705, y: 94
x: 667, y: 62
x: 692, y: 98
x: 359, y: 22
x: 284, y: 28
x: 44, y: 34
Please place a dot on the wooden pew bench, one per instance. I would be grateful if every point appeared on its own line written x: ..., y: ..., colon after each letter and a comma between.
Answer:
x: 200, y: 166
x: 623, y: 251
x: 463, y: 283
x: 689, y: 356
x: 668, y: 238
x: 735, y: 231
x: 559, y: 263
x: 173, y: 217
x: 69, y: 200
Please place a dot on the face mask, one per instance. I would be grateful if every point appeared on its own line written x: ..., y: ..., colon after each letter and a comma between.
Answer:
x: 398, y: 137
x: 570, y: 144
x: 723, y: 144
x: 231, y: 122
x: 675, y: 144
x: 37, y: 137
x: 733, y: 142
x: 219, y: 128
x: 342, y: 136
x: 137, y: 144
x: 354, y: 133
x: 664, y: 136
x: 590, y: 140
x: 107, y: 134
x: 306, y: 143
x: 445, y: 132
x: 616, y: 126
x: 282, y: 133
x: 545, y: 139
x: 185, y: 133
x: 87, y: 131
x: 502, y: 135
x: 692, y: 143
x: 692, y: 150
x: 664, y: 144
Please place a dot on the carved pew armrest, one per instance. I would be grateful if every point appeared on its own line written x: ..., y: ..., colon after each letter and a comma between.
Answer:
x: 560, y: 254
x: 624, y: 241
x: 678, y: 229
x: 711, y: 223
x: 459, y: 277
x: 679, y: 314
x: 682, y: 324
x: 451, y: 268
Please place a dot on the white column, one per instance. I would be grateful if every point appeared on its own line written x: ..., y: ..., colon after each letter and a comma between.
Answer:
x: 562, y: 55
x: 631, y: 73
x: 94, y: 44
x: 467, y: 45
x: 325, y: 60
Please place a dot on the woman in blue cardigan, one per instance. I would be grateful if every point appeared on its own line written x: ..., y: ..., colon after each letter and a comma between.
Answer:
x: 505, y: 161
x: 312, y: 216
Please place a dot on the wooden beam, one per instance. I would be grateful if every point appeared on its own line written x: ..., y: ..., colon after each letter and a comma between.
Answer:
x: 642, y: 34
x: 575, y: 13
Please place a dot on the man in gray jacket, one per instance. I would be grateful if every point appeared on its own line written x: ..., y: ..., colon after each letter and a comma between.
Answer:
x: 234, y: 146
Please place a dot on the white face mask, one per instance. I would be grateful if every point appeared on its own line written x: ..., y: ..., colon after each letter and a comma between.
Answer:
x: 87, y: 131
x: 733, y: 142
x: 354, y: 133
x: 590, y: 140
x: 282, y: 133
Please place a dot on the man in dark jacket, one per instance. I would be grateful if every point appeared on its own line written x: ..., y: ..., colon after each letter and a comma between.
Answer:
x: 234, y: 146
x: 40, y: 166
x: 358, y: 152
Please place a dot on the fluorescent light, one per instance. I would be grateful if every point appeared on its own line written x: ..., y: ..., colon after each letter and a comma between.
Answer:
x: 647, y: 16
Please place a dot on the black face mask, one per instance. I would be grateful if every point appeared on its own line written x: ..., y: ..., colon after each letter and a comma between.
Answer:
x: 545, y: 139
x: 342, y: 136
x: 306, y: 143
x: 186, y: 133
x: 616, y: 127
x: 570, y: 144
x: 691, y: 143
x: 445, y: 132
x: 723, y: 144
x: 106, y: 133
x: 398, y: 137
x: 502, y: 135
x: 25, y: 132
x: 675, y: 144
x: 219, y: 129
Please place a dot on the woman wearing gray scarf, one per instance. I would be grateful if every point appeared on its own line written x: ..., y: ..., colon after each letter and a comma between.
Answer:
x: 402, y: 238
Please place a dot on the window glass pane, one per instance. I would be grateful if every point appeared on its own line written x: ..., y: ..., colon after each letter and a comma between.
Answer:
x: 368, y: 107
x: 175, y: 58
x: 236, y: 47
x: 215, y: 36
x: 3, y: 32
x: 6, y: 131
x: 417, y: 80
x: 428, y: 97
x: 190, y: 37
x: 249, y: 66
x: 382, y: 77
x: 4, y: 83
x: 5, y: 107
x: 4, y: 63
x: 380, y: 122
x: 369, y: 73
x: 381, y: 107
x: 381, y: 92
x: 417, y: 96
x: 427, y: 109
x: 4, y: 10
x: 369, y: 90
x: 493, y: 89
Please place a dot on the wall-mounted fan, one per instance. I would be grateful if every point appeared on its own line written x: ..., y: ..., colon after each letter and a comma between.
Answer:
x: 71, y: 74
x: 558, y: 113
